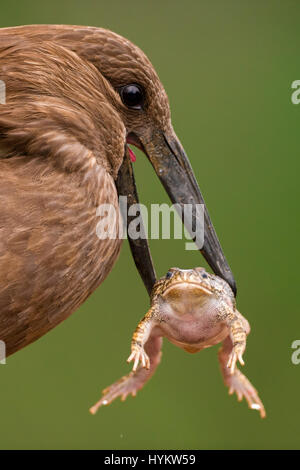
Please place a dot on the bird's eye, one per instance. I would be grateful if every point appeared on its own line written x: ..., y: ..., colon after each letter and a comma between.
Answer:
x: 204, y: 276
x: 132, y: 96
x: 169, y: 275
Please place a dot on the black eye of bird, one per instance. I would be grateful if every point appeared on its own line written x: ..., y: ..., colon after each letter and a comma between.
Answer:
x: 204, y: 276
x: 169, y: 274
x: 132, y: 96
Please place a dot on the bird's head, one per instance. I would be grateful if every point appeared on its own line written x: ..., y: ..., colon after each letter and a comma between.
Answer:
x: 146, y: 115
x: 142, y: 104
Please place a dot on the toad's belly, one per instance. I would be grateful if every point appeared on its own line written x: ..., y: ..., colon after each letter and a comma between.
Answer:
x: 202, y: 343
x: 194, y: 334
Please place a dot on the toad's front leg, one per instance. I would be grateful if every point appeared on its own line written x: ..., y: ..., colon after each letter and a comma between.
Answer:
x: 145, y: 348
x: 140, y: 338
x: 238, y: 329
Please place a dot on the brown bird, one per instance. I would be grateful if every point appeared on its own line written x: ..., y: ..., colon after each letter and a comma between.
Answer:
x: 76, y: 96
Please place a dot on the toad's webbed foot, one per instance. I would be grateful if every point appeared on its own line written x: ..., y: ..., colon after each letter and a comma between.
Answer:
x: 129, y: 384
x: 239, y: 384
x: 136, y: 379
x: 236, y: 381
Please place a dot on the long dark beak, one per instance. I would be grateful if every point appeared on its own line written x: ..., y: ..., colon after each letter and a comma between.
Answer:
x: 173, y: 168
x: 139, y: 247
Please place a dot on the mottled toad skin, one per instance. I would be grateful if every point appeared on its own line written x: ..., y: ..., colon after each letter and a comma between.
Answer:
x: 194, y: 310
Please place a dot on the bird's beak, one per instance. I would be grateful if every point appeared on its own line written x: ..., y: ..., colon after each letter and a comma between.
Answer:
x: 173, y: 168
x: 125, y: 184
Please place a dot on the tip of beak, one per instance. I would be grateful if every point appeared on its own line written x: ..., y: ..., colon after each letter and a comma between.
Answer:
x: 233, y: 287
x: 230, y: 280
x: 227, y: 275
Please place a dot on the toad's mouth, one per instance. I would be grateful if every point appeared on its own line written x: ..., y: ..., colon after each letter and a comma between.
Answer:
x: 187, y: 285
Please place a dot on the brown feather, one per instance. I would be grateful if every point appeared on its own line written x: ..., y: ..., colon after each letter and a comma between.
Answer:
x: 64, y: 142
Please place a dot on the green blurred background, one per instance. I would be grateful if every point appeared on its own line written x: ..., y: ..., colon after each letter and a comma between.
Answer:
x: 228, y: 68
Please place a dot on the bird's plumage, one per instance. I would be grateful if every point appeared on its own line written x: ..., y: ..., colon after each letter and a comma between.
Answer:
x: 63, y: 142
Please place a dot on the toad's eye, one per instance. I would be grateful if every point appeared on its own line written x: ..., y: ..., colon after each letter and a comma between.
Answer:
x: 205, y: 276
x: 169, y: 275
x: 132, y: 96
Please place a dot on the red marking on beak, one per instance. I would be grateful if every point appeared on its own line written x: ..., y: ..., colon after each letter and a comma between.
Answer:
x: 131, y: 154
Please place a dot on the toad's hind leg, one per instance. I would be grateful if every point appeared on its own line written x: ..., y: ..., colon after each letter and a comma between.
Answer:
x: 135, y: 380
x: 238, y: 382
